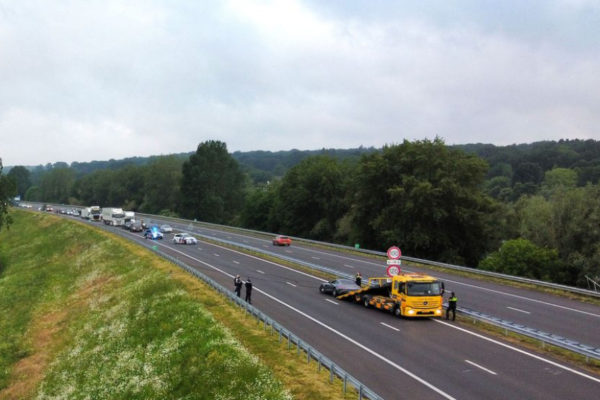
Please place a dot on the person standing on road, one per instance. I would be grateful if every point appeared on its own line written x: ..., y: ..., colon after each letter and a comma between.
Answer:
x: 451, y: 306
x: 358, y: 279
x: 248, y: 285
x: 237, y: 283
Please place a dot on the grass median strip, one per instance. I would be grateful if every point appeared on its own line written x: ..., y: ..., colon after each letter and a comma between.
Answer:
x: 89, y: 315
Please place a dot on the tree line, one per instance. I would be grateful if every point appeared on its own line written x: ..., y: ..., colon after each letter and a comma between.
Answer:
x: 518, y: 210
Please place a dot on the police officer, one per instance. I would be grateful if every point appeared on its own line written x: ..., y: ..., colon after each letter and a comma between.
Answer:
x: 451, y: 306
x: 237, y: 283
x: 248, y: 285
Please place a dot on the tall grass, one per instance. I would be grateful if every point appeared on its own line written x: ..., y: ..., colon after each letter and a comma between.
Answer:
x: 85, y: 316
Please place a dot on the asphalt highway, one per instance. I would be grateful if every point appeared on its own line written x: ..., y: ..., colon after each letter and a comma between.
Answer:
x: 546, y: 312
x: 397, y: 358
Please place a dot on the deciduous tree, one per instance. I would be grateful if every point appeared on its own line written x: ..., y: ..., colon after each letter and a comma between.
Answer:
x: 212, y: 185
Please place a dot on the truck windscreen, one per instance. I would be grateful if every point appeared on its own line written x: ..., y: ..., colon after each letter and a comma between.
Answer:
x: 424, y: 288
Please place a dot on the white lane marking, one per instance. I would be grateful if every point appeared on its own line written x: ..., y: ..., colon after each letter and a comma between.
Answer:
x: 480, y: 367
x: 524, y: 298
x: 316, y: 321
x: 291, y: 284
x: 289, y: 251
x: 216, y: 255
x: 332, y: 302
x: 236, y: 262
x: 519, y: 351
x: 315, y: 258
x: 389, y: 326
x: 516, y: 309
x: 259, y: 271
x: 348, y: 266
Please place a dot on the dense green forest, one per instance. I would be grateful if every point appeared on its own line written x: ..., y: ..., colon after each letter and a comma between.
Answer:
x: 531, y: 210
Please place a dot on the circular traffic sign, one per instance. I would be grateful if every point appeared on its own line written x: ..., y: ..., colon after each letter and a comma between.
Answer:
x: 393, y: 270
x: 394, y: 253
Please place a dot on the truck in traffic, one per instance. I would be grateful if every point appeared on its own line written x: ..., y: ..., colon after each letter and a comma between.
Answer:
x: 129, y: 219
x: 95, y: 213
x: 113, y: 216
x: 404, y: 295
x: 92, y: 213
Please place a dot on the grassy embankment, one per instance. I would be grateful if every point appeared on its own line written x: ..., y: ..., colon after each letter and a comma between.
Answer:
x: 87, y: 315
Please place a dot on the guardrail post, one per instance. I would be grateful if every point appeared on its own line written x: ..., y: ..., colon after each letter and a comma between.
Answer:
x: 345, y: 382
x: 331, y: 373
x: 360, y: 392
x: 319, y: 364
x: 298, y: 347
x: 308, y: 355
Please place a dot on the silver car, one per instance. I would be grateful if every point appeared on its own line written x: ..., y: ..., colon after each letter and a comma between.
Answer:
x: 166, y: 229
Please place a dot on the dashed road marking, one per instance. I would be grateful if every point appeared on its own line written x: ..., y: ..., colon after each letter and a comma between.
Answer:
x: 389, y: 326
x: 291, y: 284
x: 516, y: 309
x: 480, y: 367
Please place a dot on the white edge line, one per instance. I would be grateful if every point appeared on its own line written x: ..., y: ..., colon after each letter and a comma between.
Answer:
x: 316, y: 321
x: 520, y: 351
x: 259, y: 271
x: 332, y: 302
x: 480, y: 367
x: 290, y: 283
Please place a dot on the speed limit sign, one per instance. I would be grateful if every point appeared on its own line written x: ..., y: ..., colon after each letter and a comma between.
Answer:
x: 394, y: 253
x: 393, y: 270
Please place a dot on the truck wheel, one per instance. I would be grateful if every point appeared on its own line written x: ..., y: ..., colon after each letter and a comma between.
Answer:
x: 366, y: 301
x: 398, y: 311
x: 334, y: 293
x: 321, y: 289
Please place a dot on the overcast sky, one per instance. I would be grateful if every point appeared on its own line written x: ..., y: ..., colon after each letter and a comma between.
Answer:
x: 95, y: 80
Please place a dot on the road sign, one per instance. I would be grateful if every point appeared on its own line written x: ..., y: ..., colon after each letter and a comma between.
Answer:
x: 394, y: 262
x: 393, y: 270
x: 394, y: 253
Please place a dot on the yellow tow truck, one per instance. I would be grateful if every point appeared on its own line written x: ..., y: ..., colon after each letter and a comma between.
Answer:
x: 405, y: 294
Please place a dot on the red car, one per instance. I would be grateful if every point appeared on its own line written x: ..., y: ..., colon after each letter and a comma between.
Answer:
x: 281, y: 240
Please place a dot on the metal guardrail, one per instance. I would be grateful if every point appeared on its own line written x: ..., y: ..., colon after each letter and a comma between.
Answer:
x: 335, y: 370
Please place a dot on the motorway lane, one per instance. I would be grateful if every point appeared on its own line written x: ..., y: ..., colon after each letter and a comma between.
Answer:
x: 546, y: 312
x: 430, y: 349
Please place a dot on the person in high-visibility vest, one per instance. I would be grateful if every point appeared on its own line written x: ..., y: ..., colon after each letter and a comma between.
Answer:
x: 451, y: 306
